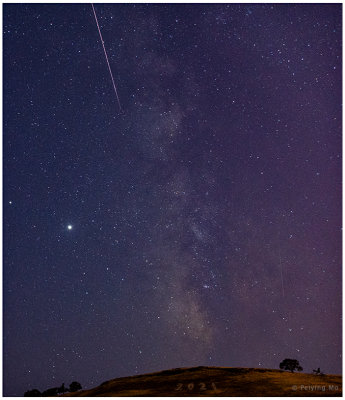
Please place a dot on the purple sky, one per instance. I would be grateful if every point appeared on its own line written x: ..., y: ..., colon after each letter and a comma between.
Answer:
x: 205, y: 221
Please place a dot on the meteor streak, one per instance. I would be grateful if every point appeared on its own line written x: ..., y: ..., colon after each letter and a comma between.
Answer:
x: 106, y: 57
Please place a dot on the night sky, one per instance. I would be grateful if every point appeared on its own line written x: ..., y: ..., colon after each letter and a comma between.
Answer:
x: 201, y: 226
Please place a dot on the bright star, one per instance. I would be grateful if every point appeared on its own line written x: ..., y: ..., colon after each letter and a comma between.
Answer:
x: 69, y: 227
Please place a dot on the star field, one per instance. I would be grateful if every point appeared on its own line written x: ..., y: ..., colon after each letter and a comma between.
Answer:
x: 201, y: 226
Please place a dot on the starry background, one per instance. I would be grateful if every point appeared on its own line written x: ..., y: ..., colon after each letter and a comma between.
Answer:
x: 205, y: 219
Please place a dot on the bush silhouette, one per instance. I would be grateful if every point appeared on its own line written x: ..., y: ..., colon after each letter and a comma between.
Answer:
x: 290, y: 365
x: 318, y: 372
x: 33, y: 393
x: 51, y: 392
x: 74, y: 386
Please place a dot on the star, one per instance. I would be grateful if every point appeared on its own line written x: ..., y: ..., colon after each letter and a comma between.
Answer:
x: 69, y: 227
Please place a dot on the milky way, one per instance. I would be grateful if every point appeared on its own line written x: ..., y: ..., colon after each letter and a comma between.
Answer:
x: 200, y: 227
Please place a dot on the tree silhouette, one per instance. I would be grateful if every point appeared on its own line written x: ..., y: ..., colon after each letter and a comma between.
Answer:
x: 290, y: 365
x: 33, y: 393
x: 62, y: 389
x: 74, y: 386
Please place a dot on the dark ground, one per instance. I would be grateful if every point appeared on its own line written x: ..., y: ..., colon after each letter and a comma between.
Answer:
x: 216, y: 381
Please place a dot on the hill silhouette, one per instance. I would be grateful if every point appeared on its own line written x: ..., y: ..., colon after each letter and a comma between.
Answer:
x: 219, y: 381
